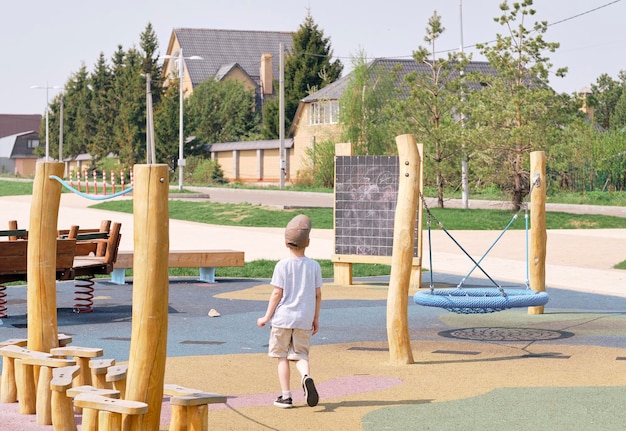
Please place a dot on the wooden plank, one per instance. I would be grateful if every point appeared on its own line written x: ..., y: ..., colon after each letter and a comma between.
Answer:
x: 189, y: 258
x: 14, y: 259
x: 98, y: 402
x: 13, y: 232
x: 356, y: 258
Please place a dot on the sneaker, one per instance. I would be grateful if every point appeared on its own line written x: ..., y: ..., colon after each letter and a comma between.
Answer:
x: 283, y: 403
x: 310, y: 393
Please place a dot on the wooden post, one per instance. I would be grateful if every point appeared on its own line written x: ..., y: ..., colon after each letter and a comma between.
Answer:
x: 342, y: 271
x: 402, y: 257
x: 538, y: 234
x: 42, y: 236
x: 146, y: 362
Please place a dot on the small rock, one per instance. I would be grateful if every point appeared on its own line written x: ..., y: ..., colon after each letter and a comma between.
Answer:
x: 214, y: 313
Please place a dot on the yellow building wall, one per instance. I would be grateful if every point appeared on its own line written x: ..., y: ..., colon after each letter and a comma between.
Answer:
x: 238, y: 75
x: 304, y: 137
x: 271, y: 165
x: 248, y: 165
x: 225, y: 159
x: 25, y: 167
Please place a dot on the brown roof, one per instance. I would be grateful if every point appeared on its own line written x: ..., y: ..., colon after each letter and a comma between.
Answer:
x: 12, y: 124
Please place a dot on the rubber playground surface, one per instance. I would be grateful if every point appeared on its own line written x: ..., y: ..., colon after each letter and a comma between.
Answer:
x: 562, y: 370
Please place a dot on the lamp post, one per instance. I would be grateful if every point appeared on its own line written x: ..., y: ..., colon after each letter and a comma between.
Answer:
x: 181, y: 74
x: 47, y: 88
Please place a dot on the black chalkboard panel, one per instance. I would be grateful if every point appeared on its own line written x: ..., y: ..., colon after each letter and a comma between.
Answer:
x: 366, y: 191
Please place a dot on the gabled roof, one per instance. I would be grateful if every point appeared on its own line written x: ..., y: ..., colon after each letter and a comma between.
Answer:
x: 334, y: 90
x: 11, y: 124
x: 226, y: 47
x: 227, y: 68
x: 7, y: 144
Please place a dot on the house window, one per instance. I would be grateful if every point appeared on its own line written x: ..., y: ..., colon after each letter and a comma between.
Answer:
x: 324, y: 112
x: 33, y: 143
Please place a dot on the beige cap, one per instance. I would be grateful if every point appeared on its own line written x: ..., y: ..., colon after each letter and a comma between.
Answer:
x: 297, y: 231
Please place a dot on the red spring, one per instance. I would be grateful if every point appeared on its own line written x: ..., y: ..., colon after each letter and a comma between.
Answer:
x: 3, y: 307
x: 84, y: 292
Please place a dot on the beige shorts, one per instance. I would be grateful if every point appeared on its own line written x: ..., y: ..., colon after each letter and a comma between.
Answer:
x: 292, y: 344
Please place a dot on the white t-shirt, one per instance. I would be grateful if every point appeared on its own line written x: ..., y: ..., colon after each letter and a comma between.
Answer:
x: 299, y: 277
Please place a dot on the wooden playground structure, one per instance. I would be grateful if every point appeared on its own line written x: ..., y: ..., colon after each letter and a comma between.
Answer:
x: 51, y: 379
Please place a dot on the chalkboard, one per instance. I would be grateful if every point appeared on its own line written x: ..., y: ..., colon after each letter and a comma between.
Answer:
x: 366, y: 191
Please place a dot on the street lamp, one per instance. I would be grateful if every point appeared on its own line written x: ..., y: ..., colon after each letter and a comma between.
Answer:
x: 181, y: 74
x: 47, y: 88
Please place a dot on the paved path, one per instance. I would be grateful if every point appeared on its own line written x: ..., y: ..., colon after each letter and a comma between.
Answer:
x: 581, y: 259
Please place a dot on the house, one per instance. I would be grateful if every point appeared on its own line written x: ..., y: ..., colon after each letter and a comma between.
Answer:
x: 317, y: 116
x: 316, y: 120
x: 19, y: 136
x: 247, y: 56
x: 251, y: 57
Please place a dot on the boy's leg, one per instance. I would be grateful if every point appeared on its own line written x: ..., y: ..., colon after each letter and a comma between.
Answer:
x: 284, y: 374
x: 303, y: 367
x: 278, y: 348
x: 301, y: 344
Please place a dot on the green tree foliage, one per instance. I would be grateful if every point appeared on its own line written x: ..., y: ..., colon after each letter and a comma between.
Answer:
x: 166, y: 121
x: 588, y: 159
x: 322, y: 170
x: 429, y: 110
x: 221, y: 111
x: 129, y: 95
x: 105, y: 110
x: 102, y: 107
x: 308, y: 68
x: 605, y: 94
x: 76, y: 117
x: 516, y: 112
x: 363, y: 108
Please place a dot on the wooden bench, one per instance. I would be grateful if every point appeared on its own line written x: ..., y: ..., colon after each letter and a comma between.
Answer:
x: 206, y: 260
x: 190, y: 407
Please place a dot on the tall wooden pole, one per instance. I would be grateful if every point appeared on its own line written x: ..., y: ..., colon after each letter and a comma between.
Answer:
x: 41, y: 294
x: 402, y: 255
x: 148, y: 345
x: 538, y: 234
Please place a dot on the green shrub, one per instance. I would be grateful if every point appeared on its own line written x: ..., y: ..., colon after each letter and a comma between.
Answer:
x: 202, y: 171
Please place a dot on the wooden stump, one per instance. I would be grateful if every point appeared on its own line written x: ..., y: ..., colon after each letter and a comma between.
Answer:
x: 403, y: 245
x: 42, y: 238
x: 146, y: 361
x: 538, y: 234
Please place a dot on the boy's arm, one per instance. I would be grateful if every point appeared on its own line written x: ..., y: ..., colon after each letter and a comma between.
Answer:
x: 318, y: 304
x: 275, y: 298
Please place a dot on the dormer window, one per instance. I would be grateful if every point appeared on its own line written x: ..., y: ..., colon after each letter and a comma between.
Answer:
x: 324, y: 112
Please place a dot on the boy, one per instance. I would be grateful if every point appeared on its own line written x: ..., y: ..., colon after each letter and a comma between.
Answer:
x: 294, y: 310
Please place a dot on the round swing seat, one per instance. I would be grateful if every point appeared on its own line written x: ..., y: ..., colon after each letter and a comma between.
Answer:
x: 480, y: 300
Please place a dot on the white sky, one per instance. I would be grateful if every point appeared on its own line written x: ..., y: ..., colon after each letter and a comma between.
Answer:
x: 45, y: 42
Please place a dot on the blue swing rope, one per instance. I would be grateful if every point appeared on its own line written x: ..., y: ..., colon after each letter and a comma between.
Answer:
x: 464, y: 279
x: 442, y: 227
x: 88, y: 196
x: 479, y: 300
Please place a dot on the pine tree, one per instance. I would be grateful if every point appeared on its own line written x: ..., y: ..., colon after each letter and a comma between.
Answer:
x: 516, y: 111
x: 431, y: 109
x: 308, y: 68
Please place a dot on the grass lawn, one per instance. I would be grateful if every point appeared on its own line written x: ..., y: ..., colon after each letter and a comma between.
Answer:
x: 322, y: 218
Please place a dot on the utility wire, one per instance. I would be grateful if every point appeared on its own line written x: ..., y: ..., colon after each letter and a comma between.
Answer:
x: 474, y: 45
